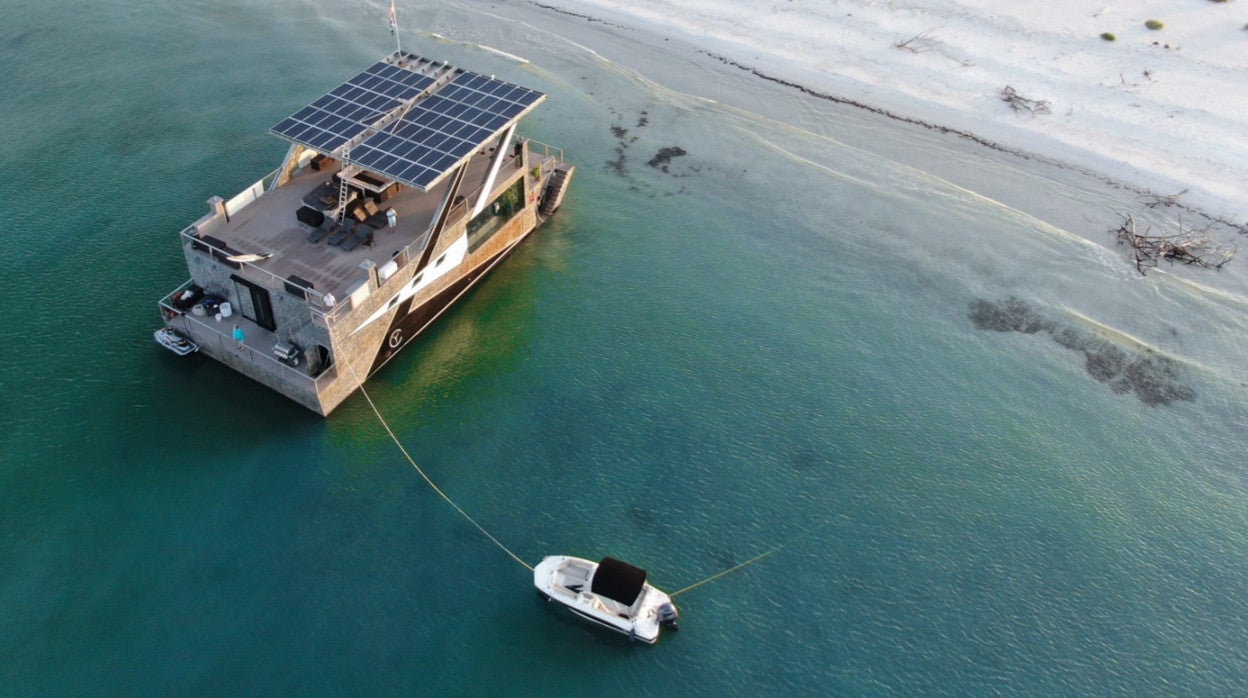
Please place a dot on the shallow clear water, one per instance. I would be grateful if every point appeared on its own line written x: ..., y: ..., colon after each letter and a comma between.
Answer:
x: 769, y: 343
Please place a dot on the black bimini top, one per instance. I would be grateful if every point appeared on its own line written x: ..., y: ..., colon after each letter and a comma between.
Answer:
x: 618, y: 581
x: 409, y: 118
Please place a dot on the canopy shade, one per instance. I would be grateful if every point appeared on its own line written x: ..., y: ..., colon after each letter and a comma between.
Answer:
x: 618, y: 580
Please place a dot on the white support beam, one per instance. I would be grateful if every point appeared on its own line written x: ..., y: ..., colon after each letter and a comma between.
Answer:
x: 500, y: 154
x: 289, y: 164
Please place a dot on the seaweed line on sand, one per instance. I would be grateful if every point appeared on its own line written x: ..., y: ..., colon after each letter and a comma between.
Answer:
x: 967, y: 135
x: 979, y: 140
x: 578, y: 15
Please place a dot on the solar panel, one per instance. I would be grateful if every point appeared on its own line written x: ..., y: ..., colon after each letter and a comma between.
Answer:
x: 347, y: 110
x: 444, y: 128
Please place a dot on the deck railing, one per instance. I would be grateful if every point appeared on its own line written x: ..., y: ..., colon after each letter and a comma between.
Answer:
x: 250, y: 194
x: 317, y: 307
x: 204, y: 332
x: 551, y: 158
x: 326, y: 316
x: 548, y: 151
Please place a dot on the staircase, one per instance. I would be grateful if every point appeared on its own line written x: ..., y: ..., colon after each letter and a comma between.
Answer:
x: 556, y: 186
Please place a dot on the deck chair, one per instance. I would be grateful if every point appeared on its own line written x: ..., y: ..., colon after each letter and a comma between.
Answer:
x: 344, y: 231
x: 363, y: 234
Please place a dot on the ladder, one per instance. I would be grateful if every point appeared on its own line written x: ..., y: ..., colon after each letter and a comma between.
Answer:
x: 343, y: 189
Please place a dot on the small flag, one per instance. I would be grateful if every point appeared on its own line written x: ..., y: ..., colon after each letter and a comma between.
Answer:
x: 390, y: 16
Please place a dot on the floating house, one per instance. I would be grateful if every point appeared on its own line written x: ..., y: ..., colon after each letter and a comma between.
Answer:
x: 402, y: 188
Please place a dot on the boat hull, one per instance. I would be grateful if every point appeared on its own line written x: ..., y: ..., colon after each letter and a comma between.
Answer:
x: 347, y: 345
x: 175, y: 342
x: 410, y: 322
x: 362, y: 237
x: 567, y: 581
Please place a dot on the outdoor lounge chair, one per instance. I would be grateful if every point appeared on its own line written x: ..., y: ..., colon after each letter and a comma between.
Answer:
x: 363, y: 234
x: 344, y: 231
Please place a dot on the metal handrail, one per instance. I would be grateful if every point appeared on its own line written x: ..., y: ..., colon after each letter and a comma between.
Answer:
x: 223, y: 340
x: 319, y: 312
x: 167, y: 300
x: 546, y: 149
x: 456, y: 210
x: 256, y: 190
x: 327, y: 316
x: 191, y: 239
x: 166, y: 304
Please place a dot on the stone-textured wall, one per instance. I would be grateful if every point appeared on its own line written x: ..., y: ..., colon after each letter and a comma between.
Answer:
x: 360, y: 348
x: 352, y: 352
x: 301, y: 391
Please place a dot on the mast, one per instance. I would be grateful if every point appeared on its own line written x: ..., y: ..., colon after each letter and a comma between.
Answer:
x: 394, y: 28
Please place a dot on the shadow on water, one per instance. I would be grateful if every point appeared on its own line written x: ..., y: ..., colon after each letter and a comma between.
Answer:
x: 597, y: 634
x: 647, y: 520
x: 806, y: 459
x: 1153, y: 379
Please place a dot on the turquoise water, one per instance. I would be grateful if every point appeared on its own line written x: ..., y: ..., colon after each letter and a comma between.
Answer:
x: 770, y: 343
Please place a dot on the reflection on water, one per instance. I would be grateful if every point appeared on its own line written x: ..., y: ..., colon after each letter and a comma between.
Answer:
x: 683, y: 369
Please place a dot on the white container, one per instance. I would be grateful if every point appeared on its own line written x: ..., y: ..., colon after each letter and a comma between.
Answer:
x: 225, y: 309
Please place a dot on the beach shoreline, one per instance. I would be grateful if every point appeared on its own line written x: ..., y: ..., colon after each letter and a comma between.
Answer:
x: 1158, y: 132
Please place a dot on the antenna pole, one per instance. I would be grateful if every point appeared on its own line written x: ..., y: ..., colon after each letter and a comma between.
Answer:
x: 394, y: 29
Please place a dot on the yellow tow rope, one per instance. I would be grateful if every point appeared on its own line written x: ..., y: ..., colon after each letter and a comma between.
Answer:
x: 441, y: 494
x: 499, y: 543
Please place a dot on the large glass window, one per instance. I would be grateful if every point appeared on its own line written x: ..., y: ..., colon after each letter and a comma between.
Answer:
x: 495, y: 215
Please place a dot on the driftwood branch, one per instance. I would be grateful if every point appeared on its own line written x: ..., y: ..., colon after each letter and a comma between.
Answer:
x: 918, y: 43
x: 1020, y: 103
x: 1187, y: 246
x: 1167, y: 200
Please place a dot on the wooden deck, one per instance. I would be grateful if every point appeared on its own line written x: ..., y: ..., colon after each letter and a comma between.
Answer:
x: 269, y: 225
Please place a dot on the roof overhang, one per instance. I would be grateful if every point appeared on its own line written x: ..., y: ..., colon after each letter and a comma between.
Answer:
x: 410, y: 119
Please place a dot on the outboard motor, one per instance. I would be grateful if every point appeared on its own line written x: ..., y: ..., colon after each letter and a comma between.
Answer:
x: 668, y: 617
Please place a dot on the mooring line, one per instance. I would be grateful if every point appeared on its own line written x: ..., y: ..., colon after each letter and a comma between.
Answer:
x: 727, y: 571
x: 750, y: 561
x: 385, y: 425
x: 409, y: 458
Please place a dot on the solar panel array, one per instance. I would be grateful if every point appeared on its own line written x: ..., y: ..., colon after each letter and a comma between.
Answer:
x: 352, y: 107
x: 443, y: 129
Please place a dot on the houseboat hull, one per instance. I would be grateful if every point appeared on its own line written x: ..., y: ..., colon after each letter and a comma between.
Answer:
x: 402, y: 189
x: 347, y: 345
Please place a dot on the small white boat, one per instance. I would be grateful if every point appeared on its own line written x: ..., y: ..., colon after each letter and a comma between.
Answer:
x: 610, y: 593
x: 175, y: 341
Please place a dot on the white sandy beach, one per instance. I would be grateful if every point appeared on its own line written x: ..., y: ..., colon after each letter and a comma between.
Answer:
x: 1162, y: 110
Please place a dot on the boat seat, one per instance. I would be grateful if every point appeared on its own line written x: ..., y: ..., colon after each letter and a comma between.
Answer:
x: 317, y: 234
